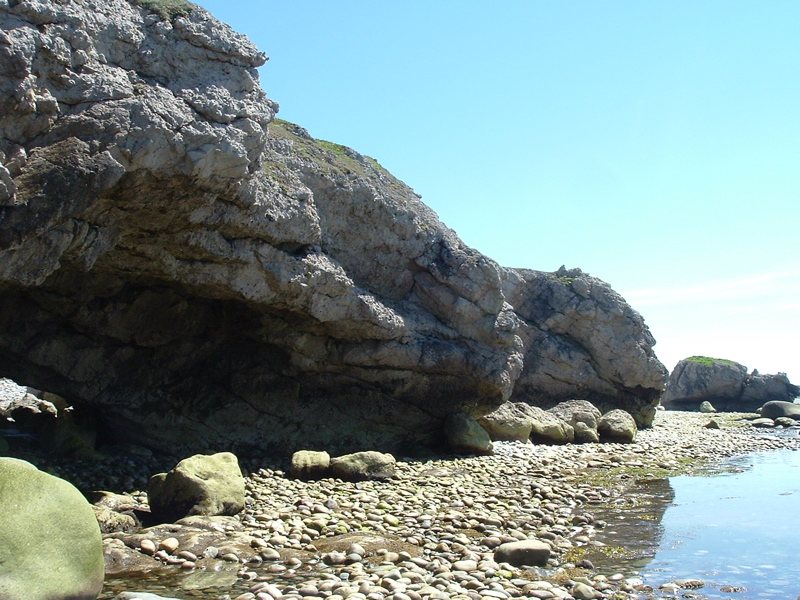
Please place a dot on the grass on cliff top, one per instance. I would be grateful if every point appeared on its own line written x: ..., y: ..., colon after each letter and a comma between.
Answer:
x: 167, y: 9
x: 708, y: 361
x: 333, y: 158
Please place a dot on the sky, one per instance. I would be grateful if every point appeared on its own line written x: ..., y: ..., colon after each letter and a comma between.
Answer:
x: 654, y: 145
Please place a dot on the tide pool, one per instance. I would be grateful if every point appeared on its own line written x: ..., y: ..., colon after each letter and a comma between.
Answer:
x: 734, y: 529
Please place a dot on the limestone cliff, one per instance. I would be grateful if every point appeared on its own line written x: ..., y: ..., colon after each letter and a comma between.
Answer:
x: 207, y: 278
x: 583, y: 341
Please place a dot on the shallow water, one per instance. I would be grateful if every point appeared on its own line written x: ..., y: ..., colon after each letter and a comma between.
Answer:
x: 732, y: 529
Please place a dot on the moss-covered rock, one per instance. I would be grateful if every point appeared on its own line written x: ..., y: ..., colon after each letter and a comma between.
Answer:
x: 50, y: 542
x: 205, y: 485
x: 363, y: 465
x: 617, y: 426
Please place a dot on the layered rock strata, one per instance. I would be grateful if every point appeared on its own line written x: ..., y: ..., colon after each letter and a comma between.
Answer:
x: 204, y: 277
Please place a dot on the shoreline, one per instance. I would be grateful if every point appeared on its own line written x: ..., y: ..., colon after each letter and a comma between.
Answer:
x: 432, y: 530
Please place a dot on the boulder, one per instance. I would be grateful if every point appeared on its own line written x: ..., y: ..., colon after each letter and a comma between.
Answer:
x: 509, y: 422
x: 617, y: 426
x: 776, y: 409
x: 725, y: 384
x: 363, y: 465
x: 308, y: 464
x: 191, y: 259
x: 205, y: 485
x: 582, y: 415
x: 584, y: 434
x: 547, y: 428
x: 529, y: 553
x: 465, y: 436
x: 50, y: 542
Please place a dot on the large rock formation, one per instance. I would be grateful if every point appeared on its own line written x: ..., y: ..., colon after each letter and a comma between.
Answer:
x: 725, y: 384
x: 204, y: 283
x: 583, y: 341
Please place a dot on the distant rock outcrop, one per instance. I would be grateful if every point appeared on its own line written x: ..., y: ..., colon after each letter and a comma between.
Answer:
x: 204, y: 283
x: 725, y: 384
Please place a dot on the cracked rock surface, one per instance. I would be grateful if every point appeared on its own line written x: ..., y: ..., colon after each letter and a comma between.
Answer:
x: 205, y: 277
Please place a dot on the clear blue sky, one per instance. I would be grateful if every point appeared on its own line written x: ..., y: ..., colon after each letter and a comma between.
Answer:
x: 655, y: 145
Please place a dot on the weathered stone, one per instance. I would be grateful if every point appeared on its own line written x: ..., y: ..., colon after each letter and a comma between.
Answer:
x: 707, y: 407
x: 195, y: 272
x: 617, y: 426
x: 724, y: 384
x: 120, y: 559
x: 50, y: 542
x: 465, y: 436
x: 582, y: 416
x: 584, y: 434
x: 363, y: 465
x: 110, y: 520
x: 205, y: 485
x: 582, y: 591
x: 308, y: 464
x: 547, y: 428
x: 507, y: 423
x: 776, y: 409
x: 531, y: 553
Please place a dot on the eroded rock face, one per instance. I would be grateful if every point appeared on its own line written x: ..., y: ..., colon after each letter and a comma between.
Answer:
x: 207, y: 279
x: 582, y: 340
x: 725, y: 384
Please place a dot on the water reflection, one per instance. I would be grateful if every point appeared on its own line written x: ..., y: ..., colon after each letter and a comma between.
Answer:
x: 734, y: 530
x: 634, y: 531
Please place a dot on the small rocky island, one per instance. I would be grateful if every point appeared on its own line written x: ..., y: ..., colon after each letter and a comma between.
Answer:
x: 725, y: 385
x: 273, y: 370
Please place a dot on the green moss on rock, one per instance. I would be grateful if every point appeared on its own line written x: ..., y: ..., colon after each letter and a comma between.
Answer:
x: 708, y: 361
x: 167, y: 9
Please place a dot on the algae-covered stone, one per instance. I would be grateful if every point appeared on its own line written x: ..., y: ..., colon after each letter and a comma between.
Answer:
x: 363, y: 465
x: 531, y: 553
x: 50, y: 542
x: 508, y: 423
x: 777, y: 408
x: 308, y: 464
x: 199, y: 485
x: 465, y: 436
x: 617, y: 426
x: 547, y: 428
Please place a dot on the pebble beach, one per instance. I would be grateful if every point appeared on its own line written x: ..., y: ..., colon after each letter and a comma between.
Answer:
x: 433, y: 531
